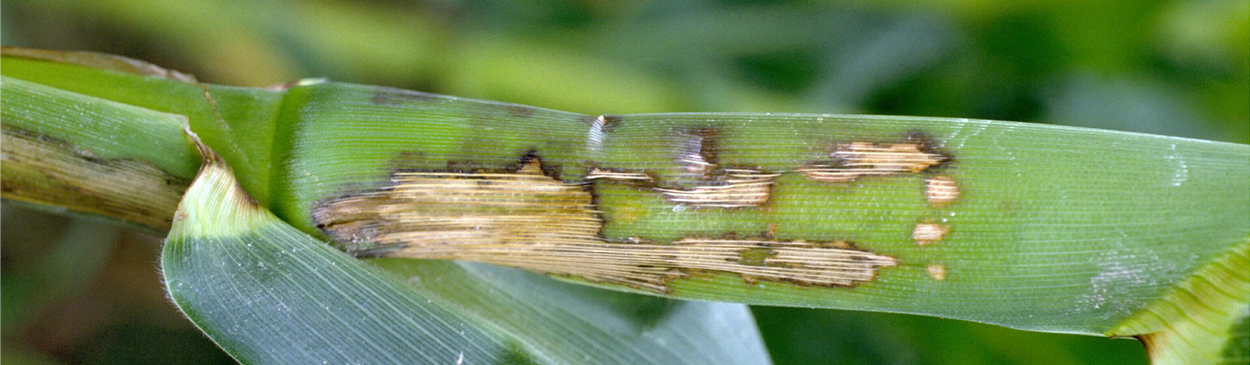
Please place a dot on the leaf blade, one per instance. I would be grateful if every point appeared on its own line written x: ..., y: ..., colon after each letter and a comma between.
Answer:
x: 1055, y: 229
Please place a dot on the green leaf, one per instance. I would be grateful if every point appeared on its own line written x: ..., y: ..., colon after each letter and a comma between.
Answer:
x: 1054, y: 229
x: 270, y: 294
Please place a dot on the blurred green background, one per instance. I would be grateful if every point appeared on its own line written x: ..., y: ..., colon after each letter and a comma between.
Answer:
x: 76, y: 291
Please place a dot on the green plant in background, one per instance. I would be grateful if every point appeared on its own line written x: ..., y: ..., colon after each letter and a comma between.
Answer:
x: 466, y: 67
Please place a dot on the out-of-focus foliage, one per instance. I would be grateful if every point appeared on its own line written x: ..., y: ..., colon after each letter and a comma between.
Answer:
x: 1168, y: 67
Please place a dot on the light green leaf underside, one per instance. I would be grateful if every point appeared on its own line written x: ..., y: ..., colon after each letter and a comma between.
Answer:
x: 578, y: 322
x: 1202, y: 320
x: 270, y: 294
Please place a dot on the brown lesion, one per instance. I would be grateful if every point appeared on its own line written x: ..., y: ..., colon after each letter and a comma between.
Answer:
x: 525, y: 218
x: 520, y: 111
x: 42, y: 170
x: 697, y: 151
x: 854, y: 160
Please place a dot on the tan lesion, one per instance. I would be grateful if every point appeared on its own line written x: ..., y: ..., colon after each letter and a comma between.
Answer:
x: 429, y: 212
x: 836, y: 263
x: 529, y: 220
x: 652, y: 267
x: 936, y: 271
x: 851, y: 161
x: 41, y: 170
x: 940, y: 190
x: 736, y: 188
x: 733, y: 188
x: 929, y: 233
x: 618, y: 175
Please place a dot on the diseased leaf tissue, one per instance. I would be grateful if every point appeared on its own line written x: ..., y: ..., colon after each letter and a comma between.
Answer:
x: 525, y: 216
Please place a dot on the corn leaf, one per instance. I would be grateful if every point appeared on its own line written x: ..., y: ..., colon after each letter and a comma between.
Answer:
x: 1034, y: 227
